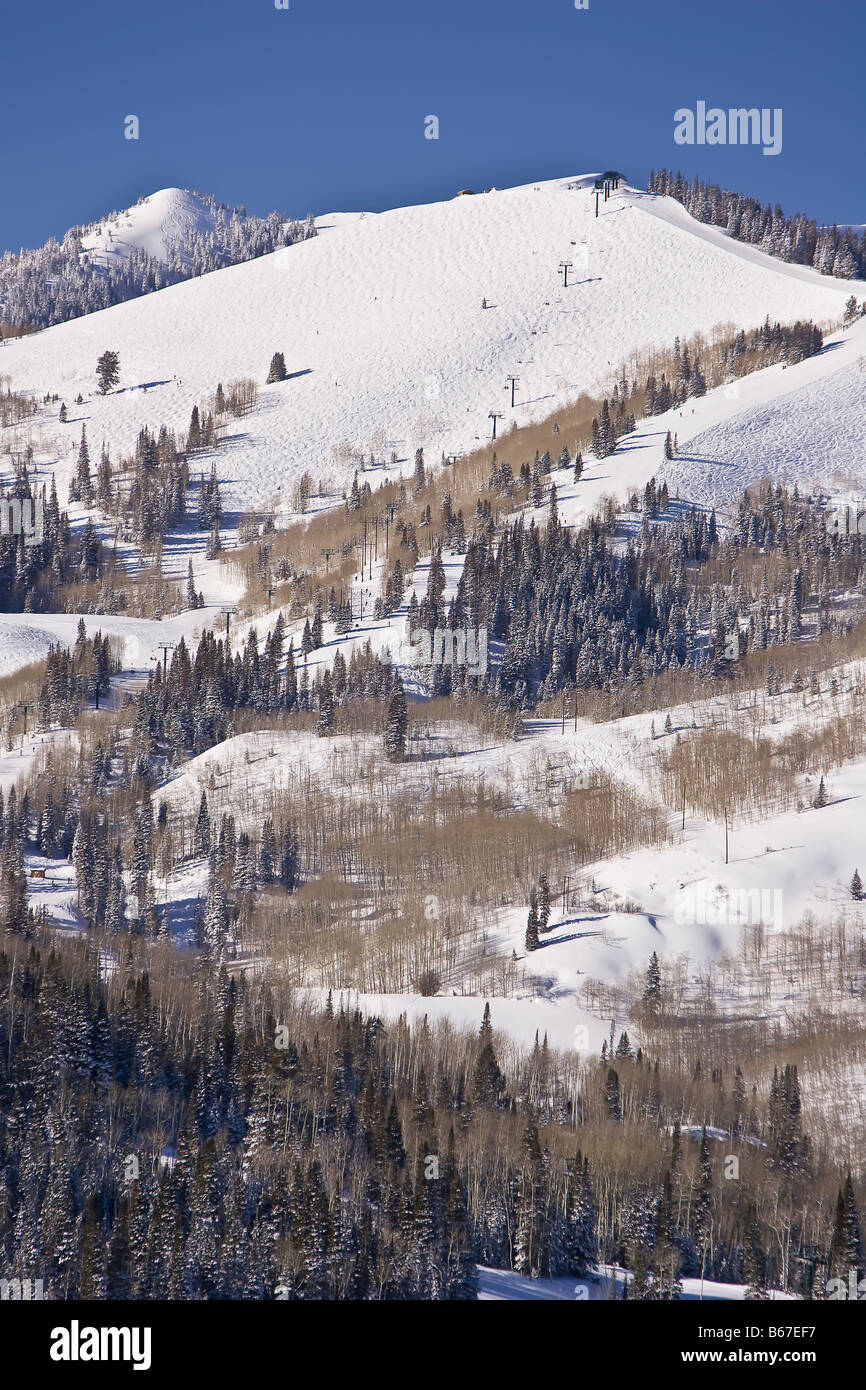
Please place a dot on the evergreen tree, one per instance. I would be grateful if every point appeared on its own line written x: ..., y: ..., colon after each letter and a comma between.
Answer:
x: 289, y: 860
x: 277, y: 370
x: 83, y: 481
x: 739, y: 1102
x: 612, y: 1096
x: 107, y: 371
x: 846, y: 1250
x: 267, y: 853
x: 193, y: 434
x: 214, y: 543
x: 488, y: 1081
x: 216, y: 920
x: 754, y: 1260
x: 325, y: 721
x: 703, y: 1211
x: 397, y: 723
x: 202, y: 835
x: 653, y: 987
x: 543, y: 902
x: 532, y: 942
x: 192, y: 598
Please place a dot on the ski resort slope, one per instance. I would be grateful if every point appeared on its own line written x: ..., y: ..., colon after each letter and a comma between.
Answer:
x: 386, y: 342
x: 804, y: 424
x: 813, y: 435
x: 26, y: 637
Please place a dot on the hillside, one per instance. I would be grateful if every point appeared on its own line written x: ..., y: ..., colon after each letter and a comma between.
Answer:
x: 386, y: 342
x: 631, y: 832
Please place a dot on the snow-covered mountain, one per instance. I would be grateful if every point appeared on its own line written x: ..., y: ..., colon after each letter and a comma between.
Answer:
x: 385, y: 338
x: 189, y: 233
x: 399, y: 329
x: 170, y: 236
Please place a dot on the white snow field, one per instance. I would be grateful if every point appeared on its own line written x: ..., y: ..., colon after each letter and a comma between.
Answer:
x: 386, y: 342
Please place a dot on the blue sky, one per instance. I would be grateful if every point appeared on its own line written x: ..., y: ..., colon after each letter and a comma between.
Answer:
x: 321, y: 107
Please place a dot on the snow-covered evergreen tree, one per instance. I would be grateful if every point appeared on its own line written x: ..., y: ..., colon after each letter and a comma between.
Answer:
x: 397, y: 723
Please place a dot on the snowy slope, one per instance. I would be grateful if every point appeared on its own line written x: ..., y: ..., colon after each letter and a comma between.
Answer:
x: 804, y: 424
x: 26, y: 637
x: 814, y: 436
x: 385, y: 339
x: 679, y: 899
x: 150, y: 225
